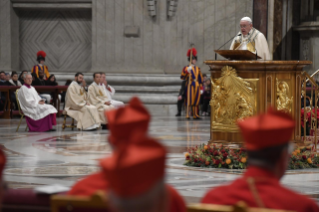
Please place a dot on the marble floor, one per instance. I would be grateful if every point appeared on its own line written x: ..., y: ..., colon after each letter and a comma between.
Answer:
x: 64, y: 157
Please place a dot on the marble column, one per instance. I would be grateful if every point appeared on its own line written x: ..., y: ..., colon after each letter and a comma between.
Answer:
x: 278, y: 17
x: 9, y: 37
x: 260, y: 13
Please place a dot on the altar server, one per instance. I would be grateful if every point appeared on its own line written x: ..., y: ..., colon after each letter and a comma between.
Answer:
x: 267, y: 139
x: 134, y: 120
x: 193, y: 77
x: 41, y: 58
x: 39, y: 116
x: 109, y: 92
x: 98, y: 98
x: 251, y: 39
x: 78, y: 107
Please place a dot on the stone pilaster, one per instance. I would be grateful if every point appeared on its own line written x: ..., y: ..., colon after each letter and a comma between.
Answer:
x: 9, y: 37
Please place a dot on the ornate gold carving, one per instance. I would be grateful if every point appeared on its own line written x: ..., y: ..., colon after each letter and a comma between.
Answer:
x: 233, y: 98
x: 284, y: 103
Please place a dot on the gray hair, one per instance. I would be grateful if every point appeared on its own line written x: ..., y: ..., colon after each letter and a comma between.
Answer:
x: 25, y: 75
x: 155, y: 198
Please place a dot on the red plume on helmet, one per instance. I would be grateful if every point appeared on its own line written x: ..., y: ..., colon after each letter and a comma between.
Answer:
x: 194, y: 52
x: 42, y: 54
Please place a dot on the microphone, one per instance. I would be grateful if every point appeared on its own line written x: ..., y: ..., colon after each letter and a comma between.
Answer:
x: 256, y: 55
x: 224, y: 45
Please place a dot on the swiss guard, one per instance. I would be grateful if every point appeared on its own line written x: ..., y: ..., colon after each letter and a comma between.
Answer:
x: 194, y: 79
x: 41, y: 58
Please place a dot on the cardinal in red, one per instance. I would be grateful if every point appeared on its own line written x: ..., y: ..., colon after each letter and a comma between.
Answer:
x: 267, y: 139
x: 136, y: 167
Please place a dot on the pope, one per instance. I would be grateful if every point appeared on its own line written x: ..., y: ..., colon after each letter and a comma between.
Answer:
x: 251, y: 39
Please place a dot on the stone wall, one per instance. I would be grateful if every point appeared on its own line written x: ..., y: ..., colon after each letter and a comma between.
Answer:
x: 160, y: 48
x: 162, y: 44
x: 65, y: 35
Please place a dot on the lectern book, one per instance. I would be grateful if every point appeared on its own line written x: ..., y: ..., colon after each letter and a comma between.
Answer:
x: 237, y: 54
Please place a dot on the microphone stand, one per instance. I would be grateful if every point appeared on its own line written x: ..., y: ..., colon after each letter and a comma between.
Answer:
x: 224, y: 45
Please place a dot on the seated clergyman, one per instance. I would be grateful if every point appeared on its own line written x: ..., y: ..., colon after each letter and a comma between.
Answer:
x: 109, y: 92
x: 98, y: 98
x: 39, y: 116
x: 78, y: 107
x: 251, y: 39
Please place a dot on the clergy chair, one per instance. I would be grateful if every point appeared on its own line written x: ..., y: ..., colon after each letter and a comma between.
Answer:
x: 72, y: 126
x: 95, y: 203
x: 20, y: 111
x: 239, y: 207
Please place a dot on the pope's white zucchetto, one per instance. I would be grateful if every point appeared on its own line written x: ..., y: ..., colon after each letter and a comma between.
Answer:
x: 246, y: 19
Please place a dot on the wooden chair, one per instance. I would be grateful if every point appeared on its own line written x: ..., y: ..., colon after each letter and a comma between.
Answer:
x: 20, y: 111
x: 239, y: 207
x: 72, y: 126
x: 97, y: 202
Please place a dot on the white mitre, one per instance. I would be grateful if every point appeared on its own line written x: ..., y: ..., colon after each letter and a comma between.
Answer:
x: 246, y: 19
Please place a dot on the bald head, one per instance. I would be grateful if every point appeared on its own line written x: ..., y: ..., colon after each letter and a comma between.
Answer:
x: 246, y: 25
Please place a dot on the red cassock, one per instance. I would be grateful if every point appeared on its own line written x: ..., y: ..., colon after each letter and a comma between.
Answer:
x: 89, y: 185
x: 96, y: 181
x: 270, y: 192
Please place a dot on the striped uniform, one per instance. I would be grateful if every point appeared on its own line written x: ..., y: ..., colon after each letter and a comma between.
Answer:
x: 44, y: 68
x: 193, y: 91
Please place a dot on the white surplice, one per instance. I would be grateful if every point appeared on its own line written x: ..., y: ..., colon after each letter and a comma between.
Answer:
x: 29, y: 103
x: 87, y: 116
x: 98, y: 98
x: 110, y: 93
x: 257, y: 39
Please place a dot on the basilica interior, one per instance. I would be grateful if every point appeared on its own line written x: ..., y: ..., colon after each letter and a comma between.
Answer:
x: 141, y: 47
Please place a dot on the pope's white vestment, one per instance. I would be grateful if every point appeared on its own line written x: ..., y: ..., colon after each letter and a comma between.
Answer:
x: 76, y: 106
x: 255, y: 41
x: 98, y: 99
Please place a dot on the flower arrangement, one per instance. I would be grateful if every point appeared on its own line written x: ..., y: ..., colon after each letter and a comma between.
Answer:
x: 213, y: 156
x: 303, y: 159
x: 216, y: 157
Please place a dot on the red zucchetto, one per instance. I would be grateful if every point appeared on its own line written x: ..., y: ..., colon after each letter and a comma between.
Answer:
x: 134, y: 168
x: 127, y: 122
x: 267, y: 130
